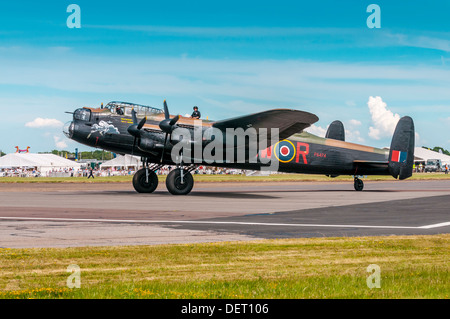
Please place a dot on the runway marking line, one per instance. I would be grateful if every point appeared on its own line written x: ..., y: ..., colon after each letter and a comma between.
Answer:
x: 128, y: 221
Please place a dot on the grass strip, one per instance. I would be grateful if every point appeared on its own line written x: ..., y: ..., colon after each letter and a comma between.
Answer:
x: 411, y: 267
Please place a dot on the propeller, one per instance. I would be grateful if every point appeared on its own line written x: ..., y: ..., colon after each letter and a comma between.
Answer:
x: 167, y: 125
x: 135, y: 128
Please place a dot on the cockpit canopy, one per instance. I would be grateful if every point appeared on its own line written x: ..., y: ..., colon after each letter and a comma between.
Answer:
x: 124, y: 108
x: 82, y: 114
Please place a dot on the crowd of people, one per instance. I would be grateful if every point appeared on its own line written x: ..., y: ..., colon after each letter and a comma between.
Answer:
x: 124, y: 171
x: 119, y: 171
x: 165, y: 170
x: 34, y: 172
x: 419, y: 168
x: 19, y: 172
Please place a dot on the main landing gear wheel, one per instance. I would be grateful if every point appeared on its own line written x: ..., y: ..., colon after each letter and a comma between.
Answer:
x: 177, y: 184
x: 143, y: 183
x: 359, y: 184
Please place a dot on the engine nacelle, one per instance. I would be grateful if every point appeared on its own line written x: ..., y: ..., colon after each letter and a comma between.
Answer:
x: 146, y: 144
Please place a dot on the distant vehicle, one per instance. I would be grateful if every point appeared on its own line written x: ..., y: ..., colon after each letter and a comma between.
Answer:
x: 433, y: 165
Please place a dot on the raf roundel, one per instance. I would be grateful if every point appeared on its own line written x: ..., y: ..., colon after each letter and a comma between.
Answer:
x: 285, y: 151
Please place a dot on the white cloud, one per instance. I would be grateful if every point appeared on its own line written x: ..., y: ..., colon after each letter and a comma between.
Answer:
x: 354, y: 122
x: 350, y: 103
x: 58, y: 143
x: 316, y: 130
x: 353, y: 136
x: 350, y: 136
x: 227, y: 31
x: 40, y: 122
x: 383, y: 120
x: 439, y: 42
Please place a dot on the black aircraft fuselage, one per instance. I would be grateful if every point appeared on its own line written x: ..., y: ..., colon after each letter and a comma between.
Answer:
x: 115, y: 128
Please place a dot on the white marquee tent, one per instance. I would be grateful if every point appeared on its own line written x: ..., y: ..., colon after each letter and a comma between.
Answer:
x: 122, y: 161
x: 425, y: 154
x: 42, y: 162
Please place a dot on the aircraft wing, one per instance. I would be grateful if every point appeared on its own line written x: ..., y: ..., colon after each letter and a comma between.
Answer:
x: 287, y: 121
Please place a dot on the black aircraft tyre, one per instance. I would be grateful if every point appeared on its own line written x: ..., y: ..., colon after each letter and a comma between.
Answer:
x: 359, y: 184
x: 140, y: 181
x: 174, y: 185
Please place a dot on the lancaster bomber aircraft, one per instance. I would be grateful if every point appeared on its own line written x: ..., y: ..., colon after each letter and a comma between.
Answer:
x: 161, y: 139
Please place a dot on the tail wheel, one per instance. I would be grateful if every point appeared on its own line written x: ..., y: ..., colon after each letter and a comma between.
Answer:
x: 179, y: 185
x: 359, y: 184
x: 144, y: 184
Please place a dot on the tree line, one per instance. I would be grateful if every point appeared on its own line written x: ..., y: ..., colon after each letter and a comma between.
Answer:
x: 97, y: 155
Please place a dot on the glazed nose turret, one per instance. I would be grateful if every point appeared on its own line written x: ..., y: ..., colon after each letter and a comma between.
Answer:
x: 68, y: 129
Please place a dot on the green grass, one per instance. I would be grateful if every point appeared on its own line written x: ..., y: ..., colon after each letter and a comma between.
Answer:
x: 411, y: 267
x: 221, y: 178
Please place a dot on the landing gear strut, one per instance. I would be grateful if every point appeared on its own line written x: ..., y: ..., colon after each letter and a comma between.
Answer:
x: 145, y: 180
x: 359, y: 184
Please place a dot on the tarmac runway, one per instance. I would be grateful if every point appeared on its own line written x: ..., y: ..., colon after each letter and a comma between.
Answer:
x: 68, y: 215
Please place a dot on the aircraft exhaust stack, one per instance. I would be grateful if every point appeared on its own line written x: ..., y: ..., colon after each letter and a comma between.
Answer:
x: 401, y: 154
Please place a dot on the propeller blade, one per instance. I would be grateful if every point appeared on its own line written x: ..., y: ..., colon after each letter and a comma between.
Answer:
x: 167, y: 124
x: 134, y: 129
x: 141, y: 123
x: 133, y: 115
x: 174, y: 120
x: 166, y: 110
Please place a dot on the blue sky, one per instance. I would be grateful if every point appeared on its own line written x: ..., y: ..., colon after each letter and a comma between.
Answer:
x: 229, y: 58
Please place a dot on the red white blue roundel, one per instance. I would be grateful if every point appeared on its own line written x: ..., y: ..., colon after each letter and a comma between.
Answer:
x: 284, y: 151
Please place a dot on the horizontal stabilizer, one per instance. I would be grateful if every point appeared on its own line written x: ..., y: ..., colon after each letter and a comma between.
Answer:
x: 371, y: 167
